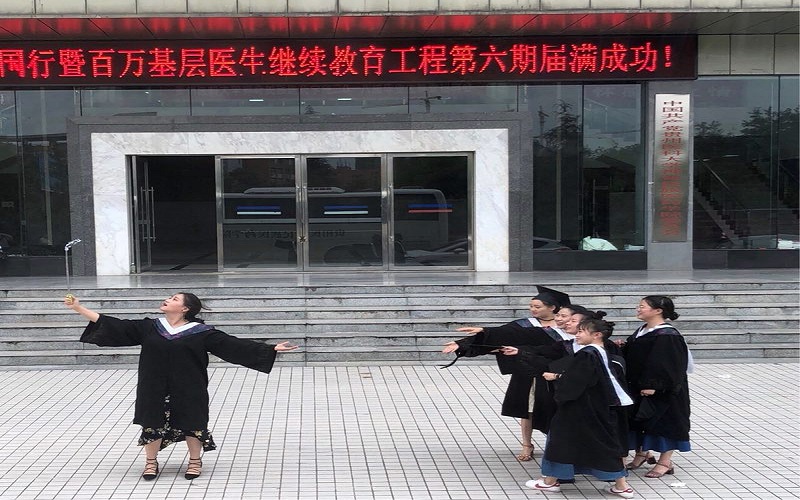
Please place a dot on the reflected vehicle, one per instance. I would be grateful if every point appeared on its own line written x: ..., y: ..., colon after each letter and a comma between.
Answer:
x: 453, y: 253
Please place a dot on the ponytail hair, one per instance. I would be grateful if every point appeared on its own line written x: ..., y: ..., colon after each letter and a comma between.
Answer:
x: 664, y: 303
x: 597, y: 325
x: 194, y: 304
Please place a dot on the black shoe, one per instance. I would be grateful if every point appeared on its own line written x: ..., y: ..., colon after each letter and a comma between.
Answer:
x: 194, y: 469
x: 150, y: 473
x: 566, y: 481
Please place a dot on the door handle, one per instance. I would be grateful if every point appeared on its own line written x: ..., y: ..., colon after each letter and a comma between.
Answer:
x: 153, y: 213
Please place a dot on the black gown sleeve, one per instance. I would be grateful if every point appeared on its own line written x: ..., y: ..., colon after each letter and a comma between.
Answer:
x: 109, y: 331
x: 532, y: 361
x: 665, y: 368
x: 581, y: 374
x: 248, y: 353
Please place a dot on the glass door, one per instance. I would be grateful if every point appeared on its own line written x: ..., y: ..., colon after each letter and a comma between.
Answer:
x: 142, y: 214
x: 344, y: 215
x: 430, y: 199
x: 257, y: 210
x: 344, y: 212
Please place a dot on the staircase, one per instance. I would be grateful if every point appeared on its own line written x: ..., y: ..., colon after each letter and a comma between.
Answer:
x: 375, y: 324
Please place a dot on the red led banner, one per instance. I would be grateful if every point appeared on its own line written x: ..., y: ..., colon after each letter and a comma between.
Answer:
x: 290, y: 62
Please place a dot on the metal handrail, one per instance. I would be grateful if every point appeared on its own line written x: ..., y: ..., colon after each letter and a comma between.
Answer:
x: 728, y: 190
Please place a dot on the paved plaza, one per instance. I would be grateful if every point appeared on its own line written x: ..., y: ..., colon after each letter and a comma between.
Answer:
x: 381, y: 432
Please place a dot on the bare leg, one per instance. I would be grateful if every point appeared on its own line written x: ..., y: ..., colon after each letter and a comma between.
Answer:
x: 195, y: 446
x: 151, y: 449
x: 526, y: 426
x: 195, y: 464
x: 151, y: 464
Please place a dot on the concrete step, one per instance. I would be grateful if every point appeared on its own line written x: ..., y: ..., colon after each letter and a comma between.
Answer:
x: 394, y: 324
x: 338, y: 355
x: 321, y: 291
x: 382, y: 338
x: 269, y: 311
x: 514, y: 299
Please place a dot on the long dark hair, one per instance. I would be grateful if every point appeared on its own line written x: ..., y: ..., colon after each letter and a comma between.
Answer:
x: 194, y: 304
x: 664, y: 303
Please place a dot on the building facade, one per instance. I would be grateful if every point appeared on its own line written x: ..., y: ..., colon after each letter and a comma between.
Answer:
x: 235, y: 136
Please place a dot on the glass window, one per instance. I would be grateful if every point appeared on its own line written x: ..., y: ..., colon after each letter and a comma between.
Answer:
x: 11, y: 215
x: 787, y: 176
x: 135, y: 102
x: 588, y: 169
x: 42, y: 121
x: 467, y: 99
x: 741, y: 199
x: 354, y: 101
x: 250, y: 101
x: 557, y: 112
x: 613, y: 168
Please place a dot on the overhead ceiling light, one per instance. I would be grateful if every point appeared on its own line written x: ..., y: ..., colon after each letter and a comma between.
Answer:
x: 344, y: 98
x: 256, y: 100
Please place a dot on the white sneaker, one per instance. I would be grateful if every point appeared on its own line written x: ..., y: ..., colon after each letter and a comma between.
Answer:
x: 539, y: 484
x: 626, y: 493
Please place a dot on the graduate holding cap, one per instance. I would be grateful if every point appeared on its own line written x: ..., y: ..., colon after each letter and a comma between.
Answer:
x: 526, y: 396
x: 172, y: 389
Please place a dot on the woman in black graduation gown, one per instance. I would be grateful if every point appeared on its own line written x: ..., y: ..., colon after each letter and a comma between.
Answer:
x: 172, y: 391
x: 526, y: 397
x: 657, y: 361
x: 588, y: 433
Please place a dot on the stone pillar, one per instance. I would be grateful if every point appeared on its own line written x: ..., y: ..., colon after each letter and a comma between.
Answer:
x: 662, y: 255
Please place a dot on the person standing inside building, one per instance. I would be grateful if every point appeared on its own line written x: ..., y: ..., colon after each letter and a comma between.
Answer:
x: 523, y: 399
x: 588, y: 433
x: 172, y: 390
x: 657, y: 361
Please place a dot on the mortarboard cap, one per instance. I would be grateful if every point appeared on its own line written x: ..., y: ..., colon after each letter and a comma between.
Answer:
x: 552, y: 296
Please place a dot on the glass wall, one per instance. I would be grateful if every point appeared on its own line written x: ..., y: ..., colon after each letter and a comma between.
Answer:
x: 745, y: 163
x: 11, y: 180
x: 588, y: 166
x: 42, y: 132
x: 588, y: 178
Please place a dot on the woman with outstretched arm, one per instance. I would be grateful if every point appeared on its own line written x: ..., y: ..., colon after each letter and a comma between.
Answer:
x: 172, y: 390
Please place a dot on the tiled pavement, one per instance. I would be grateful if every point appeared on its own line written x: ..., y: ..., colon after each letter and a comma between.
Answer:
x: 385, y: 432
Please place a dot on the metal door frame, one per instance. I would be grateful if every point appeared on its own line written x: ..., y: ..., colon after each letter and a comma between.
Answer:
x: 140, y: 263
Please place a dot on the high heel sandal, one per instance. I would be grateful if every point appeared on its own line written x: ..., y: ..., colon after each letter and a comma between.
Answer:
x: 150, y: 469
x: 654, y: 475
x: 526, y: 455
x: 648, y: 459
x: 194, y: 469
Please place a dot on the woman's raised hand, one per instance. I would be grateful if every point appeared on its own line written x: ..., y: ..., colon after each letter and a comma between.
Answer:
x: 71, y: 301
x: 285, y: 346
x: 450, y: 347
x: 470, y: 329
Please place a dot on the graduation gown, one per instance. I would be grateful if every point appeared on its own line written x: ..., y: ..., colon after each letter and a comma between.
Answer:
x: 658, y: 360
x: 515, y: 333
x: 588, y: 428
x: 532, y: 361
x: 176, y: 365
